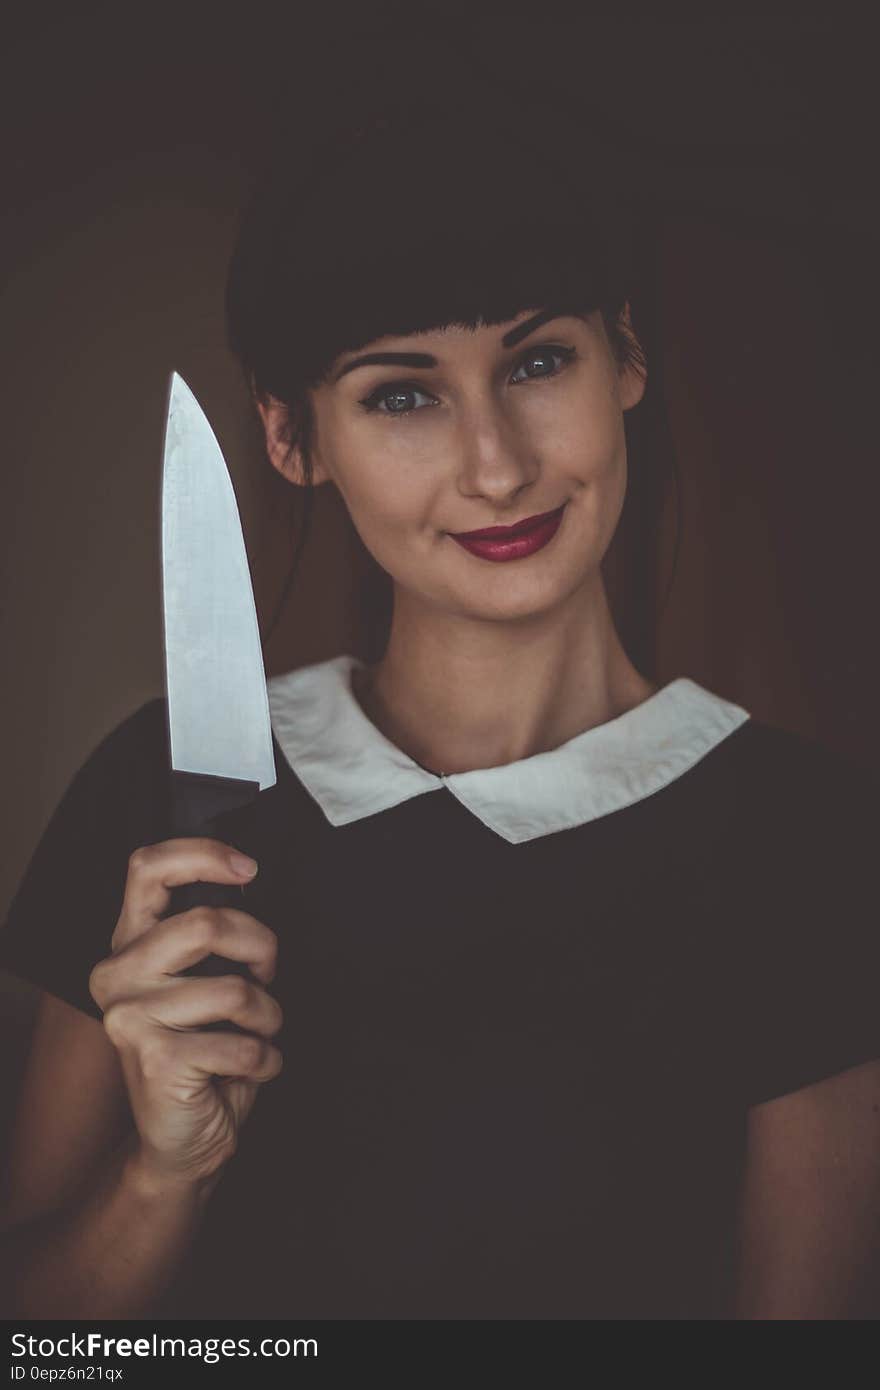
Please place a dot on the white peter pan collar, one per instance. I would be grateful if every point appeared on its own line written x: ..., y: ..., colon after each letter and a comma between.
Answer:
x: 352, y: 770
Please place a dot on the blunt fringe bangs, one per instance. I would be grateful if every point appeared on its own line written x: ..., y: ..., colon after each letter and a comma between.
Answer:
x: 409, y: 227
x: 415, y: 221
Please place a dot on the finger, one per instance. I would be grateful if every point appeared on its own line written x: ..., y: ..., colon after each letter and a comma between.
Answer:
x: 230, y: 1055
x: 189, y: 1002
x: 175, y: 943
x: 165, y: 1057
x: 153, y: 870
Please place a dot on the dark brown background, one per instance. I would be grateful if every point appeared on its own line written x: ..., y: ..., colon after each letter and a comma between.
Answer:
x: 128, y: 131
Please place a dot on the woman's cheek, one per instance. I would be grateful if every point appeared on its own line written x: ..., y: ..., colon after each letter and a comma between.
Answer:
x: 612, y: 493
x: 572, y: 431
x: 387, y: 515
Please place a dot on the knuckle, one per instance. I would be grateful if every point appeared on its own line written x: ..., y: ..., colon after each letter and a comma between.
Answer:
x: 205, y: 923
x: 267, y: 943
x: 249, y: 1053
x: 237, y: 991
x: 98, y: 981
x: 118, y: 1020
x: 139, y: 859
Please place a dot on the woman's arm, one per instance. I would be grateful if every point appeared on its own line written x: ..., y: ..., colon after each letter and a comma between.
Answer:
x: 102, y: 1231
x: 809, y: 1228
x: 109, y: 1254
x: 85, y: 1228
x: 72, y: 1110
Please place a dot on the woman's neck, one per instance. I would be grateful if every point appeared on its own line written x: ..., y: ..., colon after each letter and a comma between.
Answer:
x: 460, y: 695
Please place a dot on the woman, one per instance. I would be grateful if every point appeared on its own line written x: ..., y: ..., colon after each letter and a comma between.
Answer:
x: 568, y: 970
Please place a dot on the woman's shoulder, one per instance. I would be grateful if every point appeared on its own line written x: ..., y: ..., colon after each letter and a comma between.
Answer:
x: 800, y: 822
x: 778, y: 769
x: 145, y: 724
x: 805, y: 918
x: 141, y: 732
x: 62, y: 914
x: 784, y: 808
x: 128, y: 761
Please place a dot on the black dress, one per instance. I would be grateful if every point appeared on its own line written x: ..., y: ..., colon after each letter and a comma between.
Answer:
x: 518, y: 1060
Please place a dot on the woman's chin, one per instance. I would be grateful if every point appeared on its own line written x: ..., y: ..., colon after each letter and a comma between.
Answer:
x: 518, y: 602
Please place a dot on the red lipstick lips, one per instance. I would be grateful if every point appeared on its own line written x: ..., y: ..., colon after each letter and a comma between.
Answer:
x: 511, y: 542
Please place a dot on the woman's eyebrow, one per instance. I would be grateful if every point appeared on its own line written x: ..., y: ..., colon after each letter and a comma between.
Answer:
x: 425, y: 359
x: 388, y: 359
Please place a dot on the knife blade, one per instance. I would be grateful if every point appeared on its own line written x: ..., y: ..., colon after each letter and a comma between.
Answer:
x: 219, y: 727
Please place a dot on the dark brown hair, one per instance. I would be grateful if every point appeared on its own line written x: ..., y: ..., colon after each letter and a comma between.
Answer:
x: 420, y: 219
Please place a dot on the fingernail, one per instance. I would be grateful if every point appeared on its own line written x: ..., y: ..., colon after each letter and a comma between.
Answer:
x: 242, y: 865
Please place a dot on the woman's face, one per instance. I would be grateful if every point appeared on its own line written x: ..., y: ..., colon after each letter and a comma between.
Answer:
x: 464, y: 431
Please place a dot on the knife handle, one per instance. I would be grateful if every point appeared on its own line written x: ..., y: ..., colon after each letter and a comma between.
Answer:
x: 196, y: 799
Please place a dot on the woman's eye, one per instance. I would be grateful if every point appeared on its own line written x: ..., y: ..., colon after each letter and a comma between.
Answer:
x: 400, y: 397
x: 394, y: 399
x: 543, y: 356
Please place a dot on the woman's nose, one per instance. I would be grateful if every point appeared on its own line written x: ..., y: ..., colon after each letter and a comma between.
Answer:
x: 496, y: 457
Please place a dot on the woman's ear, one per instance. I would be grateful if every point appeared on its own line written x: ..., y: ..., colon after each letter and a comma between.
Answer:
x: 634, y: 373
x: 284, y: 455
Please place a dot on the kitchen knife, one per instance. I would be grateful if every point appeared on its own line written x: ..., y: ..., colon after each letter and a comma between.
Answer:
x: 219, y: 728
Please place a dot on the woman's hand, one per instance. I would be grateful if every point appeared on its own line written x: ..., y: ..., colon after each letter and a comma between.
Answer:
x: 190, y: 1091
